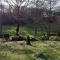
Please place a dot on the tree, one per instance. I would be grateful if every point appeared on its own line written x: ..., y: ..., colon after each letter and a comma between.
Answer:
x: 1, y: 16
x: 51, y: 4
x: 30, y: 4
x: 43, y: 4
x: 16, y: 12
x: 47, y: 5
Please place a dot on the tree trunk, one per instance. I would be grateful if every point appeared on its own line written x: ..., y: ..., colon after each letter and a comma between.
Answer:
x: 35, y: 30
x: 17, y: 29
x: 0, y: 28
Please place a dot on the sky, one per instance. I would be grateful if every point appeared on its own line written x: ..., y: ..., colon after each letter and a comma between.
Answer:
x: 57, y: 5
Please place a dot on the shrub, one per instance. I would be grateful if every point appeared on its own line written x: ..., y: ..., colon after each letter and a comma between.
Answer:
x: 28, y: 41
x: 44, y: 38
x: 54, y: 38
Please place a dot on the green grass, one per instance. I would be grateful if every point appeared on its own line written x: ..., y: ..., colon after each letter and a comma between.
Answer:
x: 9, y: 29
x: 21, y: 51
x: 24, y: 31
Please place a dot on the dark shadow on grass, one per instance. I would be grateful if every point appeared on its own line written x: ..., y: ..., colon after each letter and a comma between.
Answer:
x: 45, y: 56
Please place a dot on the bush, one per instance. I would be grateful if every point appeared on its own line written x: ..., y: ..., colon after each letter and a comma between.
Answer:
x: 54, y: 38
x: 44, y: 38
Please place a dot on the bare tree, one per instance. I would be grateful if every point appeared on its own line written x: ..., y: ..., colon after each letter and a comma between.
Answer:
x: 51, y: 4
x: 1, y: 15
x: 37, y: 4
x: 14, y: 11
x: 44, y: 4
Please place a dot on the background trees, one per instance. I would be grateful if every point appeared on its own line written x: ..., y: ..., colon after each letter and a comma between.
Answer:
x: 33, y: 9
x: 47, y: 6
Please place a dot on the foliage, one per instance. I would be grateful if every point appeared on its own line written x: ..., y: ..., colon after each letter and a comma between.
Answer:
x: 26, y: 30
x: 54, y: 38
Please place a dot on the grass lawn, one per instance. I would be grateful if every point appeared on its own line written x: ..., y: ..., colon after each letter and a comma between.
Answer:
x: 21, y: 51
